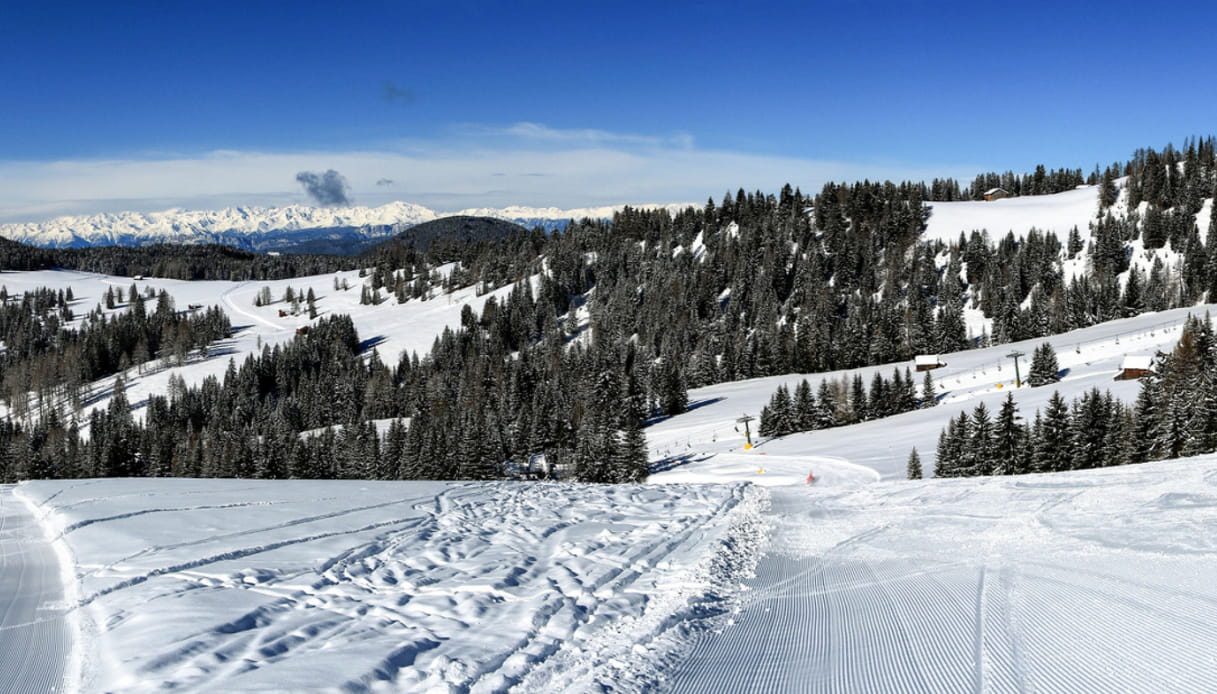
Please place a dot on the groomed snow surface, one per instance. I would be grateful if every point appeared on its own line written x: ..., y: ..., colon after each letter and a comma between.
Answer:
x: 35, y: 637
x: 1098, y: 581
x: 229, y: 585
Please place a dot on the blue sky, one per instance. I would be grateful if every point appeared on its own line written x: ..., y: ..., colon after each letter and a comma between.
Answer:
x: 108, y: 106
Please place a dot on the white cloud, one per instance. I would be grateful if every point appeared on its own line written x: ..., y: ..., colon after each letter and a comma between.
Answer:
x: 589, y: 136
x: 525, y: 164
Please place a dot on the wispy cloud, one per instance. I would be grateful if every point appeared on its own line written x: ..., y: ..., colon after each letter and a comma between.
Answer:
x: 525, y: 163
x: 538, y: 132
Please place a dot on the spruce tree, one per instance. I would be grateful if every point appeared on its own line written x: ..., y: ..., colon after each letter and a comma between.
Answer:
x: 929, y: 396
x: 1010, y: 440
x: 633, y: 460
x: 913, y: 468
x: 1044, y: 366
x: 1052, y: 446
x: 826, y: 406
x: 859, y: 405
x: 980, y: 457
x: 804, y: 407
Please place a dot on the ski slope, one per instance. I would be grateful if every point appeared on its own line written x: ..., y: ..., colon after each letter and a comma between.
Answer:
x: 1096, y: 581
x: 238, y: 585
x: 35, y: 636
x: 707, y: 445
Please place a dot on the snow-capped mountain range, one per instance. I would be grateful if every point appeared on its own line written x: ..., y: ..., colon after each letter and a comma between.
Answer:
x: 266, y: 228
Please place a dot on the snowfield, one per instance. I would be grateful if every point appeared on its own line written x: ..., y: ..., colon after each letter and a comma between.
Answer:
x: 1058, y: 213
x: 231, y: 585
x: 1100, y: 580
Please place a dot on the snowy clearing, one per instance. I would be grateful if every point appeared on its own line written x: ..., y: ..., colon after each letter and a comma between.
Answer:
x: 1100, y: 580
x: 1058, y: 213
x: 229, y: 585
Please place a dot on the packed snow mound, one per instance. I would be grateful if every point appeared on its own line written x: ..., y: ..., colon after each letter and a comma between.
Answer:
x: 1058, y: 213
x: 1095, y: 581
x: 238, y: 585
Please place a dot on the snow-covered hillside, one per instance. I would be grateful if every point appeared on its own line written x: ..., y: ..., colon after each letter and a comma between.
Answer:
x: 250, y: 227
x: 703, y: 445
x: 706, y: 444
x: 389, y: 327
x: 1057, y: 213
x: 227, y: 585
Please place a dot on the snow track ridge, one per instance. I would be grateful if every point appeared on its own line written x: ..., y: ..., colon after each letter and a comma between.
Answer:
x: 632, y: 655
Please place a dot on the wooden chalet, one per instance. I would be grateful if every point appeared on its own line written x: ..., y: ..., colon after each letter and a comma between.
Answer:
x: 1134, y: 367
x: 928, y: 362
x: 996, y: 194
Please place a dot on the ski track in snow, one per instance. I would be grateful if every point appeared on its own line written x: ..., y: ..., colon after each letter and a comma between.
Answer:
x: 1090, y: 581
x: 35, y: 639
x: 232, y: 305
x: 228, y: 585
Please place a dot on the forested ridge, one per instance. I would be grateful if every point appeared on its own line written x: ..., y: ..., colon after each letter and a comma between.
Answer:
x: 610, y: 323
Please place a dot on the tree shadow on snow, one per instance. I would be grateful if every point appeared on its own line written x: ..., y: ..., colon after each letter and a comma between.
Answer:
x: 692, y: 406
x: 675, y: 461
x: 368, y: 344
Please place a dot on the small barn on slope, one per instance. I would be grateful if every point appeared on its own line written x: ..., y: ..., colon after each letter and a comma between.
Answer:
x: 996, y: 194
x: 926, y: 362
x: 1135, y: 366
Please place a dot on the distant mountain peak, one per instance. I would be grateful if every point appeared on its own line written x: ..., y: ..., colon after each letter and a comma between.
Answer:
x: 258, y: 228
